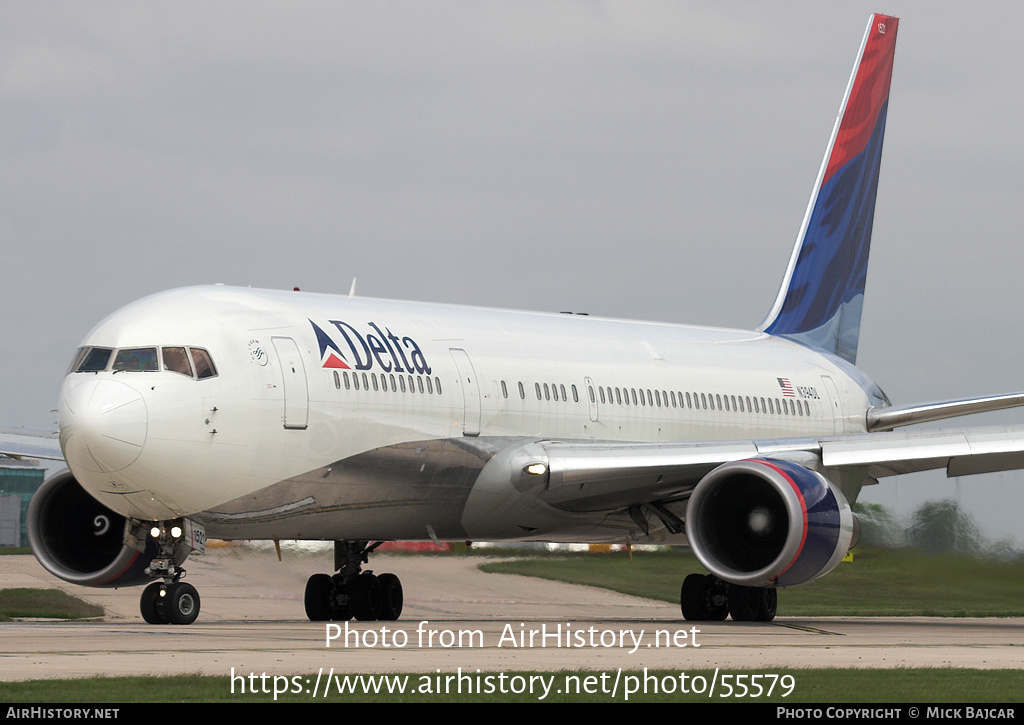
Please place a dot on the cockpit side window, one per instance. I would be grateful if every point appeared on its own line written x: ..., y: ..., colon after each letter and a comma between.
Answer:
x: 135, y: 358
x: 203, y: 363
x: 94, y: 360
x: 80, y: 354
x: 176, y: 360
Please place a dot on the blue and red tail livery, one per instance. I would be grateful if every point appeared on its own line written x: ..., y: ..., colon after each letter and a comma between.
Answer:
x: 823, y: 292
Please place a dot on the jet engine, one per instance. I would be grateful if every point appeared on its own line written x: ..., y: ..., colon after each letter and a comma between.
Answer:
x: 80, y: 540
x: 768, y: 523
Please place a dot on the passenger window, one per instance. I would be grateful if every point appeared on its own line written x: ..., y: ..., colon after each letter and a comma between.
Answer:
x: 437, y: 384
x: 176, y: 361
x: 401, y: 383
x: 420, y: 380
x: 135, y: 359
x: 345, y: 376
x: 203, y: 363
x: 337, y: 380
x: 504, y: 390
x: 430, y: 387
x: 522, y: 391
x: 575, y: 395
x: 561, y: 390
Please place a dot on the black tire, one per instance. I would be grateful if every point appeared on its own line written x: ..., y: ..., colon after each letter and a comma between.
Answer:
x: 769, y: 604
x: 181, y: 604
x: 392, y: 597
x: 319, y: 598
x: 151, y: 605
x: 693, y: 598
x: 744, y: 603
x: 365, y: 597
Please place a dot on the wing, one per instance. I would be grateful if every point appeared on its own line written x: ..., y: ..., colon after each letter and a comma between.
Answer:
x: 584, y: 476
x: 756, y: 513
x: 23, y: 443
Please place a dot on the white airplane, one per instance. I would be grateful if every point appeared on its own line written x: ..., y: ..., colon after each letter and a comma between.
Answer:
x: 252, y: 414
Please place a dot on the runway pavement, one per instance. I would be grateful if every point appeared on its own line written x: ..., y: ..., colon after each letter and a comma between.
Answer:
x: 252, y: 621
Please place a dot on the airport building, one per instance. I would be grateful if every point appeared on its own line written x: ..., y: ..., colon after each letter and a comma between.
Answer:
x: 19, y: 480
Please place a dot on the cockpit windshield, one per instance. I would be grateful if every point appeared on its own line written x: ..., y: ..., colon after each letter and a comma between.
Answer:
x: 135, y: 358
x: 192, y: 362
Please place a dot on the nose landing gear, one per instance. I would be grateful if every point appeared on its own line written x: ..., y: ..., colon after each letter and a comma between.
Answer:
x: 175, y: 603
x: 170, y: 600
x: 352, y: 592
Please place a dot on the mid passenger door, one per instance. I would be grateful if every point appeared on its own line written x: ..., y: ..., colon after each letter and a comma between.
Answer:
x: 470, y: 392
x: 293, y: 374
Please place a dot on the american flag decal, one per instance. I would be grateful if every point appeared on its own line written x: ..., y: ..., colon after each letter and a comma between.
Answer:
x: 787, y: 389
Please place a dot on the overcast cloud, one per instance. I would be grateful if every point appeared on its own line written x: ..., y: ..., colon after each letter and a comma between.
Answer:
x: 645, y: 160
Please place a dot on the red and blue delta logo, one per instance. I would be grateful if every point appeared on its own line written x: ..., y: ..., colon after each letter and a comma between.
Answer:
x: 372, y: 348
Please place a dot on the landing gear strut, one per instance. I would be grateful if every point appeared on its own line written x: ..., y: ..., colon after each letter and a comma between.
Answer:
x: 706, y: 598
x: 352, y: 592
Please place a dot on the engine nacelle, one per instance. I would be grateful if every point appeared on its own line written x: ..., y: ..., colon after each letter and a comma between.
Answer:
x: 80, y: 540
x: 765, y: 523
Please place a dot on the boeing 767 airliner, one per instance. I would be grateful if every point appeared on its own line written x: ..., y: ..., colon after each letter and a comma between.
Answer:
x: 250, y: 414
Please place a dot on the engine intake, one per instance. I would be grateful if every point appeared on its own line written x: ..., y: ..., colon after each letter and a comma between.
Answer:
x: 80, y: 540
x: 762, y: 522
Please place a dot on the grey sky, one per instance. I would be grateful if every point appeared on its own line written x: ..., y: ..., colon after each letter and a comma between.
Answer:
x: 647, y: 160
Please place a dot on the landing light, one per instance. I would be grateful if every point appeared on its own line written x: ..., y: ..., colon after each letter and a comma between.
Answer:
x: 536, y: 469
x: 176, y: 532
x: 155, y: 532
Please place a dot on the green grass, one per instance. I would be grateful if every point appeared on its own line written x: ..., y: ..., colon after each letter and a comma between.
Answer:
x: 809, y: 685
x: 49, y: 603
x: 878, y: 582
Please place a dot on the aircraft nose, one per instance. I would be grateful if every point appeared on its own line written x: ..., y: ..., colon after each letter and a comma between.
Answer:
x: 103, y: 425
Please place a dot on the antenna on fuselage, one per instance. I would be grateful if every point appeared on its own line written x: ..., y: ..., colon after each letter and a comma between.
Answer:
x: 352, y: 289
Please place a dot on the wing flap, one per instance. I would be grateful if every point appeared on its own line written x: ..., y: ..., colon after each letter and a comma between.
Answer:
x: 961, y: 452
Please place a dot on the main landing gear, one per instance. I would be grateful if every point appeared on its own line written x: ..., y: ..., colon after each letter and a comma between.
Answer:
x: 352, y: 592
x: 706, y: 598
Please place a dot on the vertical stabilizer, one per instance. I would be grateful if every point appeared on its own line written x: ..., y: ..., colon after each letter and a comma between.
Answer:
x: 823, y: 291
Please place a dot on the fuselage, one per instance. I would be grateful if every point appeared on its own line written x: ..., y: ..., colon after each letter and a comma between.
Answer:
x: 245, y: 407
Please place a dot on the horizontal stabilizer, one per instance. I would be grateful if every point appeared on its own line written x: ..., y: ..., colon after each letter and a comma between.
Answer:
x: 893, y: 417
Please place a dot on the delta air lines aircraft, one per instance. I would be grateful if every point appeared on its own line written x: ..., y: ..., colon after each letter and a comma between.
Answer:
x: 237, y: 413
